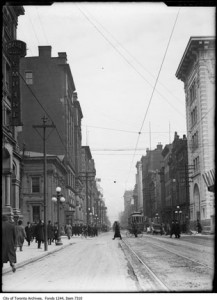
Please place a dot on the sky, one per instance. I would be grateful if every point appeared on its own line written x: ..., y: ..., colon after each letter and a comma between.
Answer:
x: 123, y: 58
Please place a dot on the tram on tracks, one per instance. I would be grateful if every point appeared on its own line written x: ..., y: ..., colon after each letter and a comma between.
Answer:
x: 136, y: 219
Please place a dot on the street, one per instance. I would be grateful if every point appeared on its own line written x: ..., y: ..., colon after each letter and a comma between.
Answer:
x: 101, y: 264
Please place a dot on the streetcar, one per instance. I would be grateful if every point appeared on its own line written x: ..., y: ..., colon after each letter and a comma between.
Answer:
x: 135, y: 220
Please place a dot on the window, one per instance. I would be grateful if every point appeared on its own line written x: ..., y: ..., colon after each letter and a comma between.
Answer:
x: 195, y: 141
x: 29, y: 78
x: 35, y: 184
x: 194, y: 116
x: 192, y: 92
x: 196, y: 163
x: 36, y: 214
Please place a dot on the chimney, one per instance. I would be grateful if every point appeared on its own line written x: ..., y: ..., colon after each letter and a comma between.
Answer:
x: 63, y: 56
x: 159, y: 146
x: 44, y: 51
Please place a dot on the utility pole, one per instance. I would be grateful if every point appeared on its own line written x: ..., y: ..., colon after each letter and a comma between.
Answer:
x: 87, y: 202
x: 44, y: 126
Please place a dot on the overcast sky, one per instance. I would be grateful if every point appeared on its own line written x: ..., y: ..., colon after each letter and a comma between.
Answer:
x: 117, y: 55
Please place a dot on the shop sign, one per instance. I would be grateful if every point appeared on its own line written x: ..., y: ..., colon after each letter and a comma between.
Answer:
x: 15, y: 49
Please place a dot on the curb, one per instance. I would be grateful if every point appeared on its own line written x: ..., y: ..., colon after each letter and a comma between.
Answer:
x: 28, y: 261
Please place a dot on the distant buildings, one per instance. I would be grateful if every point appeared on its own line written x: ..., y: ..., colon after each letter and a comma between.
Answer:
x: 178, y: 180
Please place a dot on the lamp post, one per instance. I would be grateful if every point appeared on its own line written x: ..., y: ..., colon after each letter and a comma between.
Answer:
x: 178, y: 213
x: 157, y: 217
x: 58, y: 198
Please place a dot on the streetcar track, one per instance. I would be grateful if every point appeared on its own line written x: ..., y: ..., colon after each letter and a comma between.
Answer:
x: 178, y: 254
x: 153, y: 275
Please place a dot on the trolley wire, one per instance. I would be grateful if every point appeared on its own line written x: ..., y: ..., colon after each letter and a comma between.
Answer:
x: 153, y: 91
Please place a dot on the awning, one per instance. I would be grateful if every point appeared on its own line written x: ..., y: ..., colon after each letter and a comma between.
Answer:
x: 209, y: 179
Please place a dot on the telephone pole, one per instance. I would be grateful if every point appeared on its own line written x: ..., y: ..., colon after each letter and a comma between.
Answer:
x: 44, y: 126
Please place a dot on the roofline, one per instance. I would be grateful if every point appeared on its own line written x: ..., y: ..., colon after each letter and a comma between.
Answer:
x: 193, y: 38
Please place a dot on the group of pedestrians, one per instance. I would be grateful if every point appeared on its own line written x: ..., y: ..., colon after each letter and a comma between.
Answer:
x: 175, y: 229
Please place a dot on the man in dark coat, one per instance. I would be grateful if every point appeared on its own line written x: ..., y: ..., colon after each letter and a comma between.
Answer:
x: 8, y: 243
x: 29, y: 233
x: 50, y: 232
x: 177, y: 230
x: 40, y: 233
x: 172, y: 230
x: 116, y: 228
x: 135, y: 229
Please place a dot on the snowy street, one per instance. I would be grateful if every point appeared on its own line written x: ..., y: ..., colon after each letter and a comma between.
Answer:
x: 92, y: 264
x: 101, y: 264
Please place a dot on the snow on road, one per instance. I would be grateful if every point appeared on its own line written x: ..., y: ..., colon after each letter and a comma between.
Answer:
x: 90, y: 265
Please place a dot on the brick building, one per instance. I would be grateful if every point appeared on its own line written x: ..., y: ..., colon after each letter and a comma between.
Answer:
x: 48, y: 89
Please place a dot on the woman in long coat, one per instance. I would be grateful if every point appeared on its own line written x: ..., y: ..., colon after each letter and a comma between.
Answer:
x: 21, y: 235
x: 69, y: 231
x: 8, y: 243
x: 117, y: 230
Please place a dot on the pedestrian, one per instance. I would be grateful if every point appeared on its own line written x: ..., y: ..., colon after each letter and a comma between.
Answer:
x: 21, y: 235
x: 172, y: 229
x: 177, y: 229
x: 39, y: 233
x: 116, y: 229
x: 55, y: 232
x: 68, y: 230
x: 8, y: 243
x: 29, y: 233
x: 199, y: 227
x: 50, y: 233
x: 135, y: 228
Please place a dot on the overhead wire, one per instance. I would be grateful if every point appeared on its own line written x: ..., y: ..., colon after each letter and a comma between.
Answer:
x: 153, y: 91
x: 128, y: 62
x: 130, y: 54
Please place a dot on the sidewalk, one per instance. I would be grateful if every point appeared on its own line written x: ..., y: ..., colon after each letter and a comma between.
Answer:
x: 32, y: 253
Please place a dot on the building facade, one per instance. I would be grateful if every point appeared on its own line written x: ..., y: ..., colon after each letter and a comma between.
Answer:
x: 48, y: 90
x: 32, y: 204
x: 197, y: 71
x: 11, y: 110
x: 139, y: 186
x: 151, y: 164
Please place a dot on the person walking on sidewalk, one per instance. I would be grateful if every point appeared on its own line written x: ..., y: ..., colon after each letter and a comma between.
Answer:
x: 177, y: 230
x: 68, y: 230
x: 116, y: 229
x: 50, y: 232
x: 40, y: 233
x: 172, y: 229
x: 8, y: 243
x: 29, y: 234
x: 21, y: 234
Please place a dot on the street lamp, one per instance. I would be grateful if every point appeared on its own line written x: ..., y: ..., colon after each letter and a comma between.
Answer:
x: 58, y: 198
x: 178, y: 213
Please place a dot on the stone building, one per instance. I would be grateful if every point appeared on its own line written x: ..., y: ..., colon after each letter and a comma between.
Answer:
x: 197, y: 71
x: 33, y: 188
x: 139, y: 186
x: 87, y: 176
x: 12, y: 50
